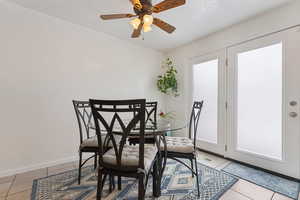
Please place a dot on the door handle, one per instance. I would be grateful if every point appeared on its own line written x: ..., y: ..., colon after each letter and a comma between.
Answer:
x: 293, y: 103
x: 293, y: 114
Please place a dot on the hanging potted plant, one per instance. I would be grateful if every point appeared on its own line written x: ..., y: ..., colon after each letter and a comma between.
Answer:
x: 167, y: 83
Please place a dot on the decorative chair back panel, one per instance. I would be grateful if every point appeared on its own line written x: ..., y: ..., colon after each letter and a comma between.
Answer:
x: 194, y: 120
x: 118, y: 119
x: 150, y: 115
x: 84, y: 118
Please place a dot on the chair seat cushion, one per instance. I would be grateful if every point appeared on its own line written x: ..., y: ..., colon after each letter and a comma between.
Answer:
x: 90, y: 142
x: 130, y: 156
x: 178, y: 145
x: 93, y: 141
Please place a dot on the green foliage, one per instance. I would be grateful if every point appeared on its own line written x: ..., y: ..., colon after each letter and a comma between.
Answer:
x: 167, y: 83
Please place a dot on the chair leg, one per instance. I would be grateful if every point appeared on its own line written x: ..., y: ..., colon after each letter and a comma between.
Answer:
x: 192, y: 166
x: 110, y: 183
x: 79, y: 167
x: 119, y: 183
x: 196, y: 166
x: 141, y: 191
x: 113, y: 182
x: 95, y: 161
x: 99, y: 185
x: 156, y: 180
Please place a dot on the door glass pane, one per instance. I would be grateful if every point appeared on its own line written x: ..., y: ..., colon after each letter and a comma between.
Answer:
x: 259, y: 116
x: 205, y: 76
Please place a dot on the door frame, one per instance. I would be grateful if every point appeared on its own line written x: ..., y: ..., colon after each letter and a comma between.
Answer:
x: 279, y: 166
x: 218, y: 148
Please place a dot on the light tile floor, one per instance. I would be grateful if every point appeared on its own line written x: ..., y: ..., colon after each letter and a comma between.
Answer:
x: 18, y: 187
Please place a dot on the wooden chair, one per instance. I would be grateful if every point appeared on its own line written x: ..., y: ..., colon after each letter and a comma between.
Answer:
x: 88, y: 142
x: 185, y: 147
x: 117, y: 118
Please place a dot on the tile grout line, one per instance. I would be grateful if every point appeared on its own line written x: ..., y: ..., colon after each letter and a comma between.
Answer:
x: 272, y: 196
x: 11, y: 184
x: 242, y: 194
x: 23, y: 190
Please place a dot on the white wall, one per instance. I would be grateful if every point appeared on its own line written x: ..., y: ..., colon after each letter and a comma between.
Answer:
x: 274, y: 20
x: 45, y: 63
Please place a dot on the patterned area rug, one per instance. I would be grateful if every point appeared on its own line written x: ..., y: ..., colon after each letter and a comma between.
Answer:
x: 275, y: 183
x: 177, y: 184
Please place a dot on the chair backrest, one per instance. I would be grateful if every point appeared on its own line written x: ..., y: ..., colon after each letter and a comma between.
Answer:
x: 84, y: 118
x: 118, y: 119
x: 150, y: 115
x: 194, y: 120
x: 151, y: 112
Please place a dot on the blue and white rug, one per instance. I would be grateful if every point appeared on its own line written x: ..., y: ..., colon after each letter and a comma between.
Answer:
x: 177, y: 184
x: 275, y: 183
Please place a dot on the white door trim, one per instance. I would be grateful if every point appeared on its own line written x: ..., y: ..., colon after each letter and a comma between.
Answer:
x: 290, y: 163
x: 218, y: 148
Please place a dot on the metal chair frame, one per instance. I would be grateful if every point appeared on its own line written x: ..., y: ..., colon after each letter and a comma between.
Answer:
x: 193, y: 126
x: 150, y: 118
x: 99, y: 107
x: 84, y: 118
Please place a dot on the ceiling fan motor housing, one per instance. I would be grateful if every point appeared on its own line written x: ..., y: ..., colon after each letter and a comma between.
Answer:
x: 146, y: 8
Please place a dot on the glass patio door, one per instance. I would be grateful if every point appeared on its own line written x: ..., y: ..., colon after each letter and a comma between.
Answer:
x: 263, y: 126
x: 208, y: 83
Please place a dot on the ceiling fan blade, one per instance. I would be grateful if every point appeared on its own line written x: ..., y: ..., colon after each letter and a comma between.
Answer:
x: 136, y: 4
x: 137, y: 32
x: 116, y: 16
x: 167, y: 4
x: 163, y: 25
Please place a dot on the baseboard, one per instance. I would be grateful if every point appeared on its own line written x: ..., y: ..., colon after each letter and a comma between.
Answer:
x: 11, y: 172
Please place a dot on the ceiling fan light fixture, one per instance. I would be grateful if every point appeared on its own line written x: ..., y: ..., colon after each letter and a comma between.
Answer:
x: 144, y: 20
x: 148, y: 19
x: 147, y: 28
x: 135, y: 23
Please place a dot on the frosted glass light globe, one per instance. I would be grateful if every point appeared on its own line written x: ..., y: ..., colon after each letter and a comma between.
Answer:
x: 148, y: 19
x: 147, y: 28
x: 135, y: 23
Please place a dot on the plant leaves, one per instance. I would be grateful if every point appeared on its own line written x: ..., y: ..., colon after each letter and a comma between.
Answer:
x: 168, y: 81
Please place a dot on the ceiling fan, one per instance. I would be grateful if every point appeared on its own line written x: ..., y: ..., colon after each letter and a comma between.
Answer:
x: 143, y: 12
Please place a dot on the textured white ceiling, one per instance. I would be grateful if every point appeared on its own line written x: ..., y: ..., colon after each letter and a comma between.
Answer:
x: 194, y: 20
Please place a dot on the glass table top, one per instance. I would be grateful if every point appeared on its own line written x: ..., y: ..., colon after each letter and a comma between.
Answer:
x: 165, y: 125
x: 161, y: 126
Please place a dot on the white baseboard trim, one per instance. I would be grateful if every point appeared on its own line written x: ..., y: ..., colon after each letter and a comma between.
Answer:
x: 12, y: 172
